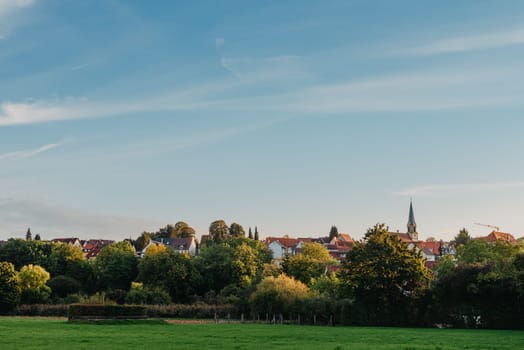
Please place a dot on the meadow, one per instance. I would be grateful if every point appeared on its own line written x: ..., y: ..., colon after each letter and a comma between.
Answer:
x: 56, y: 334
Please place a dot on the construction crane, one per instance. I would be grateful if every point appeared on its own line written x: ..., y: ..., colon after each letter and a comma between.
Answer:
x: 490, y: 226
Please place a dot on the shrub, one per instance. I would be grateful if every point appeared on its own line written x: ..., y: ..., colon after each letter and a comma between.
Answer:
x: 278, y: 295
x: 191, y: 310
x: 46, y: 310
x: 94, y: 311
x: 9, y: 287
x: 151, y: 296
x: 64, y: 285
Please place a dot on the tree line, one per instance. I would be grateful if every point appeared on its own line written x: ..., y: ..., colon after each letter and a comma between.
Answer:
x: 380, y: 282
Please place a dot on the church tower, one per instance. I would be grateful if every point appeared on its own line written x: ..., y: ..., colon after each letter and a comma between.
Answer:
x: 412, y: 225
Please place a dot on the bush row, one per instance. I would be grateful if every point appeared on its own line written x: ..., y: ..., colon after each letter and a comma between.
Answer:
x: 94, y: 311
x: 198, y: 310
x: 45, y: 310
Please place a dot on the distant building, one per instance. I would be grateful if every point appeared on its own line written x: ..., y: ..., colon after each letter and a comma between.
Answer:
x: 281, y: 247
x: 182, y: 245
x: 496, y: 236
x: 411, y: 236
x: 92, y: 247
x: 71, y: 241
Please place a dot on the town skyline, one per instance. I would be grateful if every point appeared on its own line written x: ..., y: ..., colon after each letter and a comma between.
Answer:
x: 121, y: 117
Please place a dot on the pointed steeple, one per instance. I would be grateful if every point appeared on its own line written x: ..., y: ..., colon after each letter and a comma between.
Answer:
x: 412, y: 225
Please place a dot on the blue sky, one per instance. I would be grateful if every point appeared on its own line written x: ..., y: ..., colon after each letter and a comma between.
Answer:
x: 123, y: 116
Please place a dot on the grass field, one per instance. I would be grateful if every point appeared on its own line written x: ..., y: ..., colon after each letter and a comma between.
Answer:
x: 43, y: 333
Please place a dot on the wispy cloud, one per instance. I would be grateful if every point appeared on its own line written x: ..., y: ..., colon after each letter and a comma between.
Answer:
x: 7, y: 9
x: 468, y: 43
x: 411, y: 91
x: 450, y: 189
x: 29, y: 153
x: 230, y: 66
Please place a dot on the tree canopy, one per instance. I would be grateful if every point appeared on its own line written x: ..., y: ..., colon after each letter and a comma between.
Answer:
x: 116, y: 266
x: 310, y: 263
x: 218, y: 230
x: 9, y: 287
x: 382, y: 274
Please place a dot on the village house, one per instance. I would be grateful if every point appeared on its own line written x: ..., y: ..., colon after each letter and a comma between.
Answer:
x: 280, y: 247
x: 496, y: 236
x: 75, y: 242
x: 182, y: 245
x: 92, y: 247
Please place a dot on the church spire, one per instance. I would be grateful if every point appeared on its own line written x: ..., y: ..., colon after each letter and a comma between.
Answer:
x: 412, y: 225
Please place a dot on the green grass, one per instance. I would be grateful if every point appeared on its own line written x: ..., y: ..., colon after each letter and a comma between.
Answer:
x: 56, y: 334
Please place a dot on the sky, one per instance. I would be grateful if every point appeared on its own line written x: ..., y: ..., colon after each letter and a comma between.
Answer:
x: 123, y: 116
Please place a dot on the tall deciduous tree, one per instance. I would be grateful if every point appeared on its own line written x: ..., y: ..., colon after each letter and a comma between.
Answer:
x: 309, y: 264
x: 142, y: 241
x: 116, y: 266
x: 383, y: 275
x: 236, y: 230
x: 33, y: 279
x: 218, y: 230
x: 170, y: 271
x: 182, y: 229
x: 21, y: 252
x: 9, y: 286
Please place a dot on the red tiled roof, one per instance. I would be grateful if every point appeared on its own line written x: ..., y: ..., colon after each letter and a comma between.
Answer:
x: 286, y: 242
x: 500, y: 236
x: 92, y: 253
x: 433, y: 246
x: 344, y: 237
x: 405, y: 237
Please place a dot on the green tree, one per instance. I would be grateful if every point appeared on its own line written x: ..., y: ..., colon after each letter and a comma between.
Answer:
x: 218, y: 230
x: 256, y: 234
x: 333, y: 233
x: 309, y: 264
x: 28, y: 235
x: 445, y: 266
x: 182, y: 229
x: 215, y: 266
x: 235, y: 262
x: 278, y: 295
x: 64, y: 260
x: 9, y: 287
x: 116, y: 266
x: 62, y: 286
x: 138, y: 294
x: 250, y: 235
x: 384, y: 276
x: 169, y: 270
x: 21, y: 252
x: 165, y: 232
x: 37, y: 237
x: 142, y: 241
x: 236, y: 230
x: 462, y: 238
x: 326, y: 285
x: 70, y: 261
x: 33, y: 279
